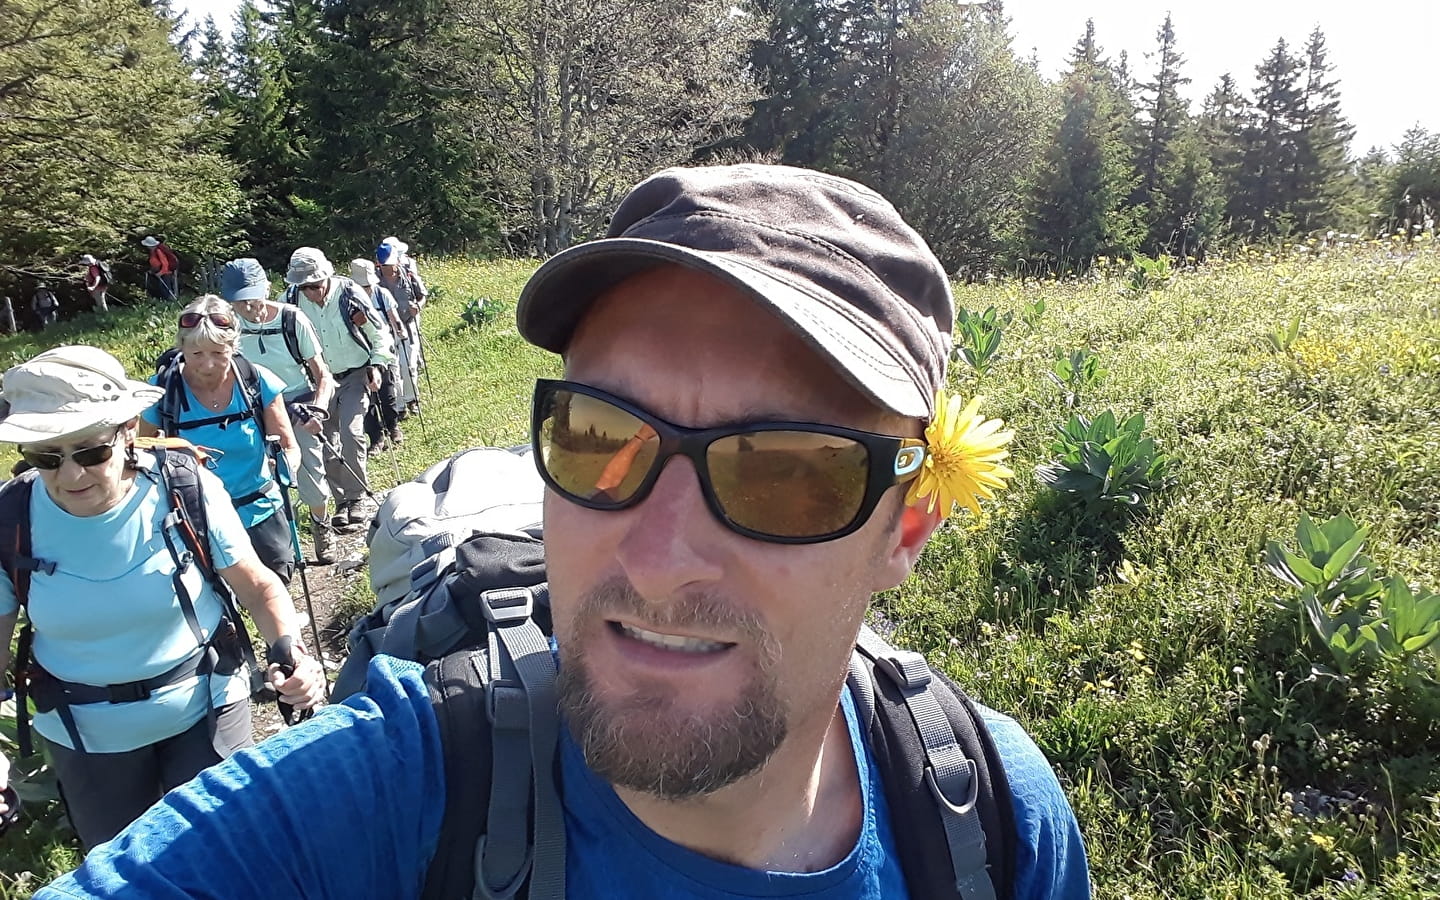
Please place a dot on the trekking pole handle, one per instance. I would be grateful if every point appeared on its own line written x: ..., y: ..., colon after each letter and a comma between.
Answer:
x: 282, y: 654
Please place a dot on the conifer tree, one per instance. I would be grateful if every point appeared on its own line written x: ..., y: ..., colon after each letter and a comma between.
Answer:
x: 1222, y: 128
x: 1322, y: 183
x: 1085, y: 178
x: 1265, y: 202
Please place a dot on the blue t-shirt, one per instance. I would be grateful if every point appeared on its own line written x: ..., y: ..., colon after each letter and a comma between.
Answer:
x: 240, y: 458
x: 350, y: 804
x: 109, y: 613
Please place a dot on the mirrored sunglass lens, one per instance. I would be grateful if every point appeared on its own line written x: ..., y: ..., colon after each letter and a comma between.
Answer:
x: 46, y: 461
x: 594, y: 450
x: 93, y: 456
x: 189, y: 320
x: 789, y: 483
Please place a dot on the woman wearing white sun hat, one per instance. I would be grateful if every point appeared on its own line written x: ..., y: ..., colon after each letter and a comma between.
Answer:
x: 138, y: 674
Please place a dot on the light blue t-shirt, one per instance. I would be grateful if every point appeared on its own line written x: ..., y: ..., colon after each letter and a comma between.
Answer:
x: 240, y: 460
x: 374, y: 766
x: 264, y: 345
x: 109, y: 613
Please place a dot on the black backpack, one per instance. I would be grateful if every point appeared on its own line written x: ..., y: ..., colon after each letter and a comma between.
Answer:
x: 174, y: 402
x: 223, y: 652
x: 105, y: 273
x: 478, y: 615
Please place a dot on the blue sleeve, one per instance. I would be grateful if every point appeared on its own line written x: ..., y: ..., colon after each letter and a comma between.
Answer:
x: 229, y: 541
x: 270, y: 384
x: 1050, y: 861
x: 345, y: 805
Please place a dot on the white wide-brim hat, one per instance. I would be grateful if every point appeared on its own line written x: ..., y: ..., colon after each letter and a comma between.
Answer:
x: 66, y: 391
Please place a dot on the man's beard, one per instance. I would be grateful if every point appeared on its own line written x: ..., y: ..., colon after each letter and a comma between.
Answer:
x: 642, y: 741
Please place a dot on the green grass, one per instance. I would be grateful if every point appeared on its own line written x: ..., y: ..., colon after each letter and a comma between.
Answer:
x: 1146, y: 654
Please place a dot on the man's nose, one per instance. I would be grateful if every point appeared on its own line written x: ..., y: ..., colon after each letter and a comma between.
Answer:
x: 671, y: 537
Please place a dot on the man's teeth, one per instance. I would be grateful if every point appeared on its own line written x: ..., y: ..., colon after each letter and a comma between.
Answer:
x: 671, y: 641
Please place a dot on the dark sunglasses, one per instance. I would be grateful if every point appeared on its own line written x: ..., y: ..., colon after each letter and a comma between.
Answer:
x: 782, y: 482
x: 219, y: 320
x: 85, y: 457
x: 312, y: 286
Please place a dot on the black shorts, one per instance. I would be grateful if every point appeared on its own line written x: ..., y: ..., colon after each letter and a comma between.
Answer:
x: 271, y: 539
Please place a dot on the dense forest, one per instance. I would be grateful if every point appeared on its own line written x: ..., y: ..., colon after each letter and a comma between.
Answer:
x: 486, y: 126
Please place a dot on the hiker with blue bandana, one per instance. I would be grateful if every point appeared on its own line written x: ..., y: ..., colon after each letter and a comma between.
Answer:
x: 751, y: 437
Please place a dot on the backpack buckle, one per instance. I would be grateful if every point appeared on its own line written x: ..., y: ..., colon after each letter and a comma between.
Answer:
x: 906, y: 668
x: 503, y: 605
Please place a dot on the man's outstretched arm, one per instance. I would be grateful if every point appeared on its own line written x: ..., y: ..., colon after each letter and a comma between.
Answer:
x: 346, y: 805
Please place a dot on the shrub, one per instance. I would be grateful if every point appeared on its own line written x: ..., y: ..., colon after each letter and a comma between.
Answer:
x: 1105, y: 464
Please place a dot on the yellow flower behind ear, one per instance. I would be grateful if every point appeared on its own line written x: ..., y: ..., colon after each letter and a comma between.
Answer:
x: 962, y: 459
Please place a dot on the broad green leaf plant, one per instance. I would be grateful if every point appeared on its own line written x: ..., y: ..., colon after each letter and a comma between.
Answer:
x: 1354, y: 614
x: 1108, y: 465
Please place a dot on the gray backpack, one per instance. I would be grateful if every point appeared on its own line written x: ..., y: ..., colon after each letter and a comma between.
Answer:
x: 477, y: 613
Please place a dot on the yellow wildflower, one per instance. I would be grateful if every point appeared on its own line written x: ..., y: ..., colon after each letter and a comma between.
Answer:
x: 963, y: 458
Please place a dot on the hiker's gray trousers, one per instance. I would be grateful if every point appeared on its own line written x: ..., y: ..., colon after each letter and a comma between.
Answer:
x: 310, y: 480
x: 346, y: 427
x: 104, y: 792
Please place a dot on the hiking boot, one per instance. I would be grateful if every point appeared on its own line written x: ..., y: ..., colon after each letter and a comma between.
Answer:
x: 342, y: 514
x: 396, y: 438
x: 356, y: 513
x: 377, y: 447
x: 324, y: 542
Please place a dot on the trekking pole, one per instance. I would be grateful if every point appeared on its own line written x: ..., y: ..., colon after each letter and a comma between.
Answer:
x: 335, y: 452
x: 282, y: 654
x: 424, y: 360
x: 286, y: 479
x: 389, y: 444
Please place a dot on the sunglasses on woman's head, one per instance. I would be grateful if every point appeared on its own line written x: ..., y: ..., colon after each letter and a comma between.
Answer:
x: 783, y: 482
x: 85, y: 457
x: 219, y: 320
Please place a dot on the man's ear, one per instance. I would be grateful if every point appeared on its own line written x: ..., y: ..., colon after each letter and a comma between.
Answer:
x: 908, y: 536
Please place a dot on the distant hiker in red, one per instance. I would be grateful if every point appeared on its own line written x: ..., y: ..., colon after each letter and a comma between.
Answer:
x: 97, y: 281
x: 163, y: 280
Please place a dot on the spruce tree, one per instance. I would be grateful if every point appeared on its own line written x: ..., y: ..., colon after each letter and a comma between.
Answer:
x: 1080, y: 209
x: 1265, y: 202
x: 1322, y: 182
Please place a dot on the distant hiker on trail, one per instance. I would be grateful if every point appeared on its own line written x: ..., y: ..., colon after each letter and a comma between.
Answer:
x: 216, y: 399
x: 382, y: 421
x: 7, y: 315
x: 97, y: 281
x: 713, y: 720
x: 280, y: 338
x: 400, y: 276
x: 138, y: 674
x: 45, y: 305
x: 357, y: 347
x: 162, y: 281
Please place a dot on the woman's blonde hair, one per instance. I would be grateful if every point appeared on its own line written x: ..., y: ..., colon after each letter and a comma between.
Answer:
x: 206, y: 330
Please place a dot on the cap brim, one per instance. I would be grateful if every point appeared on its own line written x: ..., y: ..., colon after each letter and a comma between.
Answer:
x: 562, y: 289
x: 244, y: 295
x: 34, y: 427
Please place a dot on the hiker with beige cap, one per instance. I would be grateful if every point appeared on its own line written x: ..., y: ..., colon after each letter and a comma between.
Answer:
x: 124, y: 558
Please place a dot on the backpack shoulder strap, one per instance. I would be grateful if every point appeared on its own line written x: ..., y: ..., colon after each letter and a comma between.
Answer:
x: 357, y: 311
x: 289, y: 330
x: 172, y: 401
x: 249, y: 380
x: 19, y: 564
x: 503, y: 824
x: 937, y: 761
